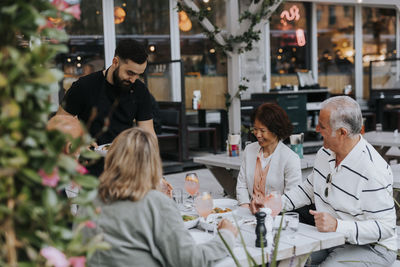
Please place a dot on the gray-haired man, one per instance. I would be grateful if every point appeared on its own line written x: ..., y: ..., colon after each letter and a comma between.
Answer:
x: 351, y: 186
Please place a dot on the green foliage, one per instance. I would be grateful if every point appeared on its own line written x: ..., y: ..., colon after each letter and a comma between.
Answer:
x: 33, y: 215
x: 243, y: 42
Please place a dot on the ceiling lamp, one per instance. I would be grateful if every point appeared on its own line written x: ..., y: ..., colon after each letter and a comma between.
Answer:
x: 185, y: 24
x: 119, y: 15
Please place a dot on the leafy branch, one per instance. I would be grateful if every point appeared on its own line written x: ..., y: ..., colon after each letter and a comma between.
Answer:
x: 242, y: 88
x: 234, y: 43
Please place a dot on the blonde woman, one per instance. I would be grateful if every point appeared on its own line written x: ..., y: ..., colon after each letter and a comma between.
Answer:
x: 142, y: 225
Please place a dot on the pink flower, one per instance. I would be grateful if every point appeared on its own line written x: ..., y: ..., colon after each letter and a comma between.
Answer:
x: 90, y: 224
x: 74, y: 10
x: 81, y: 169
x: 54, y: 257
x: 49, y: 179
x: 77, y: 261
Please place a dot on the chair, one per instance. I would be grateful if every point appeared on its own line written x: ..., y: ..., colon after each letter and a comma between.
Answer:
x: 200, y: 129
x: 170, y: 120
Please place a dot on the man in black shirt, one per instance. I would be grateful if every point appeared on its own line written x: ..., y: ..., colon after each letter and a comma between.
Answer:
x: 109, y: 101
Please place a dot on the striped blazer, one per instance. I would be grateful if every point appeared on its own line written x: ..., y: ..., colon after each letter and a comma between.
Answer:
x: 359, y: 194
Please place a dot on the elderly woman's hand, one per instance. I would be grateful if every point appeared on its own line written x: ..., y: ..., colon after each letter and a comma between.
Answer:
x: 255, y: 205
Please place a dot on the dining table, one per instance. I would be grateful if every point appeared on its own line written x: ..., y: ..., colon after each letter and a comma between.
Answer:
x: 383, y: 140
x: 292, y: 249
x: 226, y: 168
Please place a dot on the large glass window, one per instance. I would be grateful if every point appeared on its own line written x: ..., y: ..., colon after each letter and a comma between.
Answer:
x: 148, y: 22
x: 289, y: 43
x: 335, y: 24
x: 379, y: 39
x: 145, y: 21
x: 85, y: 44
x: 205, y: 67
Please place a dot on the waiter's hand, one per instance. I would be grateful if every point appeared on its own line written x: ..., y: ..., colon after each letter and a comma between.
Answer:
x: 324, y: 221
x: 255, y: 205
x: 93, y: 146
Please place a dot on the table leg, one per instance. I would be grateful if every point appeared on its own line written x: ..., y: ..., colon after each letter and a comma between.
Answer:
x: 226, y: 178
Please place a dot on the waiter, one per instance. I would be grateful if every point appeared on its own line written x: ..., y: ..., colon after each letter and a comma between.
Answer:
x: 109, y: 101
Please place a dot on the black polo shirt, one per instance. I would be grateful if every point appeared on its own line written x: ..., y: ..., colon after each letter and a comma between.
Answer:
x: 93, y: 99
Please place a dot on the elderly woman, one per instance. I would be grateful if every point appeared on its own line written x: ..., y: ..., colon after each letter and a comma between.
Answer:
x: 142, y: 225
x: 267, y: 165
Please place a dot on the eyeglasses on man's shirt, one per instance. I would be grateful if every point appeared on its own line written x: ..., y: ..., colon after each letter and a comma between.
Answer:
x: 256, y: 130
x: 328, y: 181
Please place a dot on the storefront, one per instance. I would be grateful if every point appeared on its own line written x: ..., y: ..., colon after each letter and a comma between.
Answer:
x: 335, y: 40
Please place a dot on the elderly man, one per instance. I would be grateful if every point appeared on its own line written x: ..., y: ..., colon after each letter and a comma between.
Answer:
x: 351, y: 186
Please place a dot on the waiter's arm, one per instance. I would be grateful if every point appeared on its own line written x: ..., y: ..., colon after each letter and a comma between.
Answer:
x: 148, y: 126
x: 62, y: 111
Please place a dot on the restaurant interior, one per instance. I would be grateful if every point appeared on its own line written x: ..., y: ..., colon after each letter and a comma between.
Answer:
x: 248, y: 154
x: 345, y: 47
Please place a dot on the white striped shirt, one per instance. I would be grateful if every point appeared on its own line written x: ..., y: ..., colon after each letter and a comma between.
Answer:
x: 360, y: 195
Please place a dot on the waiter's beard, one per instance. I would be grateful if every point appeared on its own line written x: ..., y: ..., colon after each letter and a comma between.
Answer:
x: 122, y: 85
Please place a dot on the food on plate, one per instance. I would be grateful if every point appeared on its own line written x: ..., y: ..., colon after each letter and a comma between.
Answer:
x: 106, y: 147
x: 219, y: 210
x: 187, y: 218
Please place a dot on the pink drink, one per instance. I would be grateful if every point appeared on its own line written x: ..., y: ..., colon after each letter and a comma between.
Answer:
x: 274, y: 202
x: 192, y: 187
x: 204, y: 205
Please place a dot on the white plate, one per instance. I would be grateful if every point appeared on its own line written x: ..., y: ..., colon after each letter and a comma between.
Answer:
x: 201, y: 237
x: 225, y: 203
x: 102, y: 151
x: 191, y: 223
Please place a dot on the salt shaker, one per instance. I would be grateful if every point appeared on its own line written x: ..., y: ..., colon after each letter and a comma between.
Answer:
x: 260, y: 229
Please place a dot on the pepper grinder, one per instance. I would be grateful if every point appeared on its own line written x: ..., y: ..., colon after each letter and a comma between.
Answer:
x: 260, y: 229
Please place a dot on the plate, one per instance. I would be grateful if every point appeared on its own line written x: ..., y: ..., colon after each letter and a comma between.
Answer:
x: 201, y: 237
x: 191, y: 223
x: 225, y: 203
x: 102, y: 150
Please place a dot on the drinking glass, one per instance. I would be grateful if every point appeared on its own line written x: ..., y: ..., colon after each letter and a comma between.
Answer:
x: 177, y: 196
x: 273, y: 201
x: 291, y: 220
x: 204, y: 205
x: 192, y: 184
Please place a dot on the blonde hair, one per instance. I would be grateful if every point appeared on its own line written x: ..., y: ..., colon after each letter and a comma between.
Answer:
x: 132, y: 167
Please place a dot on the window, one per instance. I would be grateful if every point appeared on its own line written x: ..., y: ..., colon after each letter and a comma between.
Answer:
x: 379, y: 39
x: 205, y: 67
x: 289, y: 43
x: 85, y: 44
x: 335, y: 47
x: 147, y: 22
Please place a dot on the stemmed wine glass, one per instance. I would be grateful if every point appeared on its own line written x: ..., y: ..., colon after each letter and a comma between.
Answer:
x: 192, y: 185
x: 204, y: 205
x: 273, y: 201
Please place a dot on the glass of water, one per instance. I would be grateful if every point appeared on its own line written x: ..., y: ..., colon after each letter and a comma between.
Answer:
x: 291, y: 220
x: 177, y: 196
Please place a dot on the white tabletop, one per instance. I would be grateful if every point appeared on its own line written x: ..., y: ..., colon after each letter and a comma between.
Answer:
x: 223, y: 160
x: 307, y: 239
x: 387, y: 139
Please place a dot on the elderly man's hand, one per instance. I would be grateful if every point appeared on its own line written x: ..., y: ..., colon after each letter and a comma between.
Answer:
x: 324, y: 221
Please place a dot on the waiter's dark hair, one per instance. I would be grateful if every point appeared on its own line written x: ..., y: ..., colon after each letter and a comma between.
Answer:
x: 275, y: 118
x: 131, y: 49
